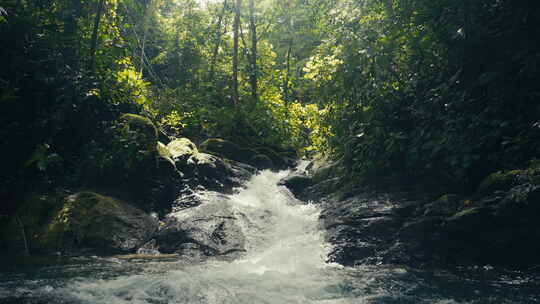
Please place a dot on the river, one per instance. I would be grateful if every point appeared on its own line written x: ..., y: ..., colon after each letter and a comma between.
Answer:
x: 285, y: 262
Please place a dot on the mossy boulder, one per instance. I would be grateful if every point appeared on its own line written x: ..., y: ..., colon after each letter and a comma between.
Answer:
x: 223, y: 148
x: 84, y: 222
x: 140, y: 129
x: 322, y: 170
x: 97, y: 223
x: 277, y: 160
x: 131, y: 153
x: 261, y: 161
x: 177, y: 150
x: 202, y: 169
x: 499, y: 181
x: 182, y: 147
x: 164, y: 152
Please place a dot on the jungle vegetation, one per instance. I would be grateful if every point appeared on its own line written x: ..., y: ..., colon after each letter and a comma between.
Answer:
x: 398, y: 90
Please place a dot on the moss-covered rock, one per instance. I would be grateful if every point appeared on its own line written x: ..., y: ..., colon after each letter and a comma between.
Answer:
x: 223, y: 148
x: 78, y: 223
x: 97, y: 223
x: 140, y: 129
x: 182, y: 148
x: 323, y: 170
x: 277, y: 160
x: 164, y: 152
x: 261, y: 161
x: 499, y: 181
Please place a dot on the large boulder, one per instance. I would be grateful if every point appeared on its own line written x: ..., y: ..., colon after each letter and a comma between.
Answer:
x: 182, y: 148
x: 261, y: 161
x: 202, y: 225
x: 139, y: 129
x: 277, y: 161
x: 260, y: 157
x: 91, y: 222
x: 84, y: 222
x: 202, y: 169
x: 296, y: 182
x: 226, y: 149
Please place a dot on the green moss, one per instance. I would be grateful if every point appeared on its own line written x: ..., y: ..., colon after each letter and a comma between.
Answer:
x: 181, y: 147
x: 141, y: 130
x: 502, y: 181
x: 70, y: 222
x: 164, y: 152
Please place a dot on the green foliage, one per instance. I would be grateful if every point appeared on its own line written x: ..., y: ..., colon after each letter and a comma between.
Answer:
x: 396, y: 89
x: 413, y: 92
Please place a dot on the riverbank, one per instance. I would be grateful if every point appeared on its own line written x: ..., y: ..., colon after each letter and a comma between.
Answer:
x: 498, y: 224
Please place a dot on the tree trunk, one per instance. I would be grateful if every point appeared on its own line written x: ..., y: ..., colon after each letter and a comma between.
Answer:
x: 235, y: 52
x: 95, y: 31
x: 71, y: 14
x: 253, y: 30
x: 217, y: 42
x: 287, y: 74
x: 146, y: 17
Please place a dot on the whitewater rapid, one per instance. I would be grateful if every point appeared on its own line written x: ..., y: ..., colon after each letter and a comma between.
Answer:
x: 284, y: 263
x: 285, y: 259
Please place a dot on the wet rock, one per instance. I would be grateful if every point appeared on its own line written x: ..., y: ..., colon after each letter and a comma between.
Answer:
x: 202, y: 169
x: 296, y: 182
x: 209, y: 228
x: 447, y: 204
x: 502, y: 181
x: 421, y: 228
x: 467, y: 219
x: 261, y: 161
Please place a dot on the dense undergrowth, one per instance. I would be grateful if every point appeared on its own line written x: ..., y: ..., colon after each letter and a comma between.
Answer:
x: 424, y: 90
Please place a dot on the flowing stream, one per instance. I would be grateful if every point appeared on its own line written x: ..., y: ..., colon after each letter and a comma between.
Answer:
x: 285, y: 262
